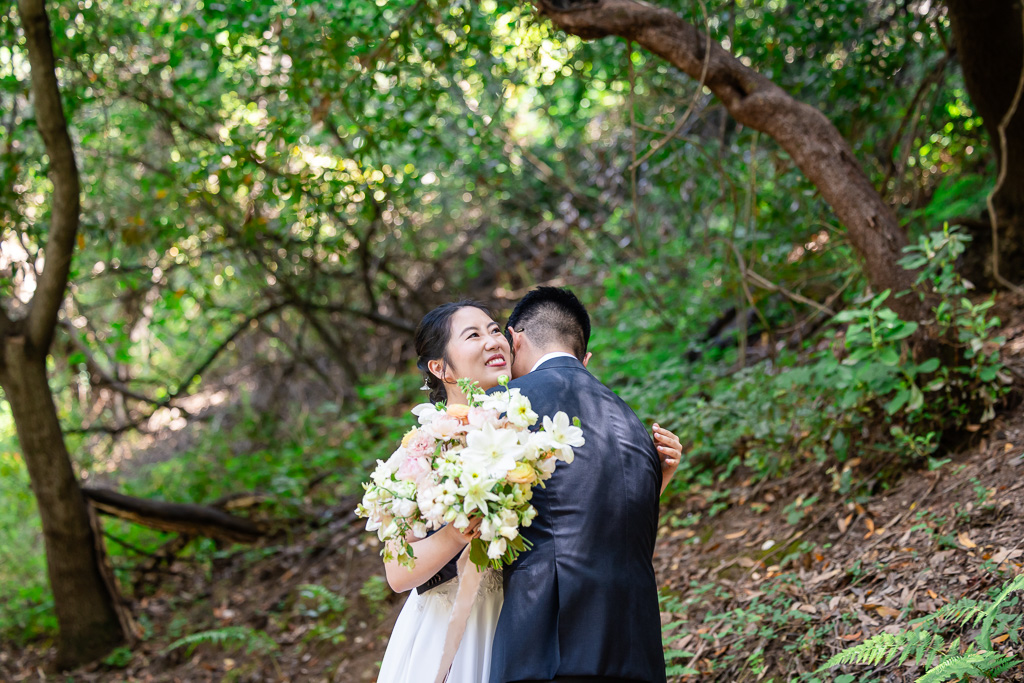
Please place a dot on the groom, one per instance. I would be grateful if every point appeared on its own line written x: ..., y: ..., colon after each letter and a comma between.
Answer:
x: 582, y: 604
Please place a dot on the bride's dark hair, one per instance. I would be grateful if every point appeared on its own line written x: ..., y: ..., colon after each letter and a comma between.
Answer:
x: 432, y: 337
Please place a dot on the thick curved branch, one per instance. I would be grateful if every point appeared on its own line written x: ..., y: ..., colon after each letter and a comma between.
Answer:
x: 64, y: 211
x: 182, y: 518
x: 804, y: 132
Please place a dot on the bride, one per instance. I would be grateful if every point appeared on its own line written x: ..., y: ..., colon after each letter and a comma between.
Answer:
x: 453, y: 341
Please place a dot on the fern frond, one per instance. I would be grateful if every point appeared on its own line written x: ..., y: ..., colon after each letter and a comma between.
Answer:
x: 984, y: 636
x: 885, y: 647
x: 962, y: 611
x: 229, y: 637
x: 921, y: 645
x: 328, y: 598
x: 980, y: 663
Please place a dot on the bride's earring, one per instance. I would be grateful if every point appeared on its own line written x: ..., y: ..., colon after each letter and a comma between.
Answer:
x: 425, y: 386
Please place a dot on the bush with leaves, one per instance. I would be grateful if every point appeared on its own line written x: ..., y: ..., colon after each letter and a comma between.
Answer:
x: 863, y: 394
x: 927, y: 645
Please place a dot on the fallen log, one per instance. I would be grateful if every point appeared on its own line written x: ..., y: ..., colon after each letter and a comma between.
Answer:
x: 182, y: 518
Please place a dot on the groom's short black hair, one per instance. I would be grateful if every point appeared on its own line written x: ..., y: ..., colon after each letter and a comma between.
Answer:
x: 550, y: 315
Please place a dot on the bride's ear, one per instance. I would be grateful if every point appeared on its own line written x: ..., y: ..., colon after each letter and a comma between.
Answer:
x: 437, y: 368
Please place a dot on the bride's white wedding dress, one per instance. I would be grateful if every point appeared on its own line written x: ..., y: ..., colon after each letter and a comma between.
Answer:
x: 414, y: 650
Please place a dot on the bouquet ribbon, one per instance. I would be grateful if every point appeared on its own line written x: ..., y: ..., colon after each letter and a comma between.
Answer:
x: 469, y: 585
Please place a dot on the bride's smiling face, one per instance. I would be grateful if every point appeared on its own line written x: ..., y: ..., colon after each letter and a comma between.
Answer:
x: 476, y: 349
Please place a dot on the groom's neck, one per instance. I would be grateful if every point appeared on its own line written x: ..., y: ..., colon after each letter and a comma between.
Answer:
x: 525, y: 361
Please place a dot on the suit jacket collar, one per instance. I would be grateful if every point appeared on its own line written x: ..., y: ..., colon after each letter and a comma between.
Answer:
x: 559, y: 362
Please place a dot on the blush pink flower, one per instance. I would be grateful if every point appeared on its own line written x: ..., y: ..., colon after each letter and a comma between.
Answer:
x: 445, y: 428
x: 478, y: 417
x: 413, y: 468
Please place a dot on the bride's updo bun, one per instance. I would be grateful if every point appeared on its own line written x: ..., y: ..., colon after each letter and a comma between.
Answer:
x: 432, y: 337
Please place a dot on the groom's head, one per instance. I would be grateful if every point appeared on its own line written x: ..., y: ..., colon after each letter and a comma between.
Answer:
x: 548, y: 319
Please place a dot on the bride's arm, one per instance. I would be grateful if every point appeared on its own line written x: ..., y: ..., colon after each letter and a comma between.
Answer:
x: 432, y: 553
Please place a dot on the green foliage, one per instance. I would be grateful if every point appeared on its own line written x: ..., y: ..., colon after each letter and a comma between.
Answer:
x: 26, y: 604
x: 944, y: 660
x: 863, y: 395
x: 376, y: 592
x: 327, y: 609
x: 254, y: 641
x: 769, y: 614
x: 971, y: 383
x: 119, y: 658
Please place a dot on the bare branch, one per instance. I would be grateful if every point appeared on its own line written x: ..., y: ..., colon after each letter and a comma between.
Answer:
x: 658, y: 144
x: 65, y: 206
x: 105, y: 375
x: 182, y: 387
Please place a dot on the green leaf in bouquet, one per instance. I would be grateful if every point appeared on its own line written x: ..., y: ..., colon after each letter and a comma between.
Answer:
x: 478, y: 553
x: 518, y: 543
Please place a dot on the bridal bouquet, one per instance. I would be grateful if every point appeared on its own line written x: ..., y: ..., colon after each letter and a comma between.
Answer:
x: 465, y: 461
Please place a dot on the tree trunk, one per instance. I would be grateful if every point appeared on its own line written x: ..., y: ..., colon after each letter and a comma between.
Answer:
x: 753, y: 100
x: 86, y: 613
x: 89, y: 624
x: 990, y: 45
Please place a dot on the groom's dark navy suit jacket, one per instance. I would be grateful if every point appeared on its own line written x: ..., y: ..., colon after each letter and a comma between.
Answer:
x: 583, y: 601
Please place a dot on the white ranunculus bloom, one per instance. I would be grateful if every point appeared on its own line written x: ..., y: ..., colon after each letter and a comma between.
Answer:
x: 547, y: 466
x: 404, y: 507
x: 488, y: 529
x: 509, y: 524
x: 497, y: 548
x: 382, y: 473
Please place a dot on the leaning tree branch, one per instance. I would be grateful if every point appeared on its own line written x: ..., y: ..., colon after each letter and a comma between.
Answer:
x: 182, y: 518
x: 753, y: 100
x: 64, y: 212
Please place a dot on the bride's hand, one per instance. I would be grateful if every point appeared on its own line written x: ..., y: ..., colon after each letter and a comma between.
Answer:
x: 670, y: 450
x: 472, y: 531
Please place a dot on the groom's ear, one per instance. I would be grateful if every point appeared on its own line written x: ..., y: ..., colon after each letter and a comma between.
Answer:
x: 515, y: 339
x: 586, y: 358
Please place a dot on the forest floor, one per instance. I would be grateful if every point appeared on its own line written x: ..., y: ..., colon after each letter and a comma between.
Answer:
x: 763, y: 581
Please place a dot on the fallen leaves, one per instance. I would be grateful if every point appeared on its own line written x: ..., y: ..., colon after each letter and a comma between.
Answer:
x: 964, y: 539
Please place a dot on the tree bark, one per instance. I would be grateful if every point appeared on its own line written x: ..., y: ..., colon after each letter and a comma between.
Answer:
x: 990, y: 46
x: 63, y: 173
x: 88, y: 621
x: 802, y: 131
x: 86, y: 614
